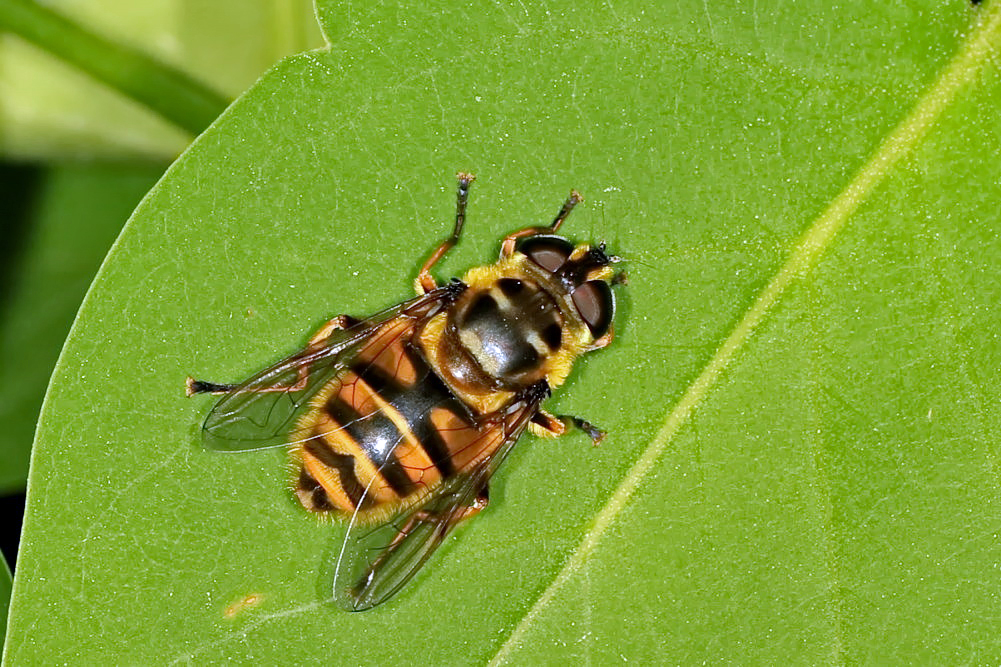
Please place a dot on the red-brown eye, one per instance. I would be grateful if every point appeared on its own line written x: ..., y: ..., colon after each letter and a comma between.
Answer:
x: 596, y: 305
x: 549, y: 252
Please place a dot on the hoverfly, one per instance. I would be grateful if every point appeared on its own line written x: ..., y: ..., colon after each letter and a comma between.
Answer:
x: 396, y: 422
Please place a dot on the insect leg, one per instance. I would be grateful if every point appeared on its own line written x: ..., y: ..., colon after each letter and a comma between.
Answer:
x: 507, y: 245
x: 440, y: 522
x: 425, y: 281
x: 592, y: 431
x: 339, y: 323
x: 477, y: 506
x: 193, y: 386
x: 552, y: 426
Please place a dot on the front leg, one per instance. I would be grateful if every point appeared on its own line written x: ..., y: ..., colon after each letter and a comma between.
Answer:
x: 509, y: 242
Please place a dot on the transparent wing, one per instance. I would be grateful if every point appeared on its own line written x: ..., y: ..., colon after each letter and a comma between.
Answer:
x: 262, y: 410
x: 375, y: 563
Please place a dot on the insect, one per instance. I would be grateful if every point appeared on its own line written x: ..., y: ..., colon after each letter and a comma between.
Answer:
x: 397, y: 421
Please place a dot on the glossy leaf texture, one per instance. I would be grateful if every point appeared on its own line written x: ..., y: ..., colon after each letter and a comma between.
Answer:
x: 802, y: 455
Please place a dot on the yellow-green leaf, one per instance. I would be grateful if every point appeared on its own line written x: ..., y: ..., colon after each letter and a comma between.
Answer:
x: 802, y: 455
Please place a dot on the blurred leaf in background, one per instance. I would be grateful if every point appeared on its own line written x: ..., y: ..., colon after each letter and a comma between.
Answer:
x: 71, y: 214
x: 54, y: 110
x: 5, y: 582
x: 79, y: 154
x: 801, y: 463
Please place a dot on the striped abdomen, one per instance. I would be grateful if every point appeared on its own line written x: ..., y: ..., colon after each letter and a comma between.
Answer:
x: 385, y: 431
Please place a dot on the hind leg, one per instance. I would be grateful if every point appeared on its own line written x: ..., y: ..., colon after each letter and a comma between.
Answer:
x: 193, y: 386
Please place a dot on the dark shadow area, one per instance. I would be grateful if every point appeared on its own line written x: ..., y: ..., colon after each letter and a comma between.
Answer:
x: 20, y: 185
x: 57, y: 222
x: 12, y: 514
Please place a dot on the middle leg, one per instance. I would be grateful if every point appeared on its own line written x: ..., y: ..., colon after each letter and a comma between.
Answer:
x: 193, y: 386
x: 547, y: 425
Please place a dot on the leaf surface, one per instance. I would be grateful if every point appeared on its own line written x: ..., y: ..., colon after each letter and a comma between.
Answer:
x: 802, y: 459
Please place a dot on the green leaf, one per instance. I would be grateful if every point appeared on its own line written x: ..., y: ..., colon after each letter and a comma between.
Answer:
x: 4, y: 596
x: 801, y: 462
x: 70, y: 216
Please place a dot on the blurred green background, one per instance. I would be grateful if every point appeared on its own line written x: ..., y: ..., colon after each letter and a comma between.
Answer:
x: 78, y: 153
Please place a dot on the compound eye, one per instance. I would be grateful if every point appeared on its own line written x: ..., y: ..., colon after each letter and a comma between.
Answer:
x: 549, y: 252
x: 596, y: 305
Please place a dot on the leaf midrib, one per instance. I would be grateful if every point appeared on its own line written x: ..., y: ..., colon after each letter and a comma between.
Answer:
x: 961, y: 70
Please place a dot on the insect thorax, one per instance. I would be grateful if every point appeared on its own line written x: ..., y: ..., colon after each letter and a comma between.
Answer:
x: 511, y: 328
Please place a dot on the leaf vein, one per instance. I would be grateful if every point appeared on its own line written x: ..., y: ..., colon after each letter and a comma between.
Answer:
x: 979, y: 48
